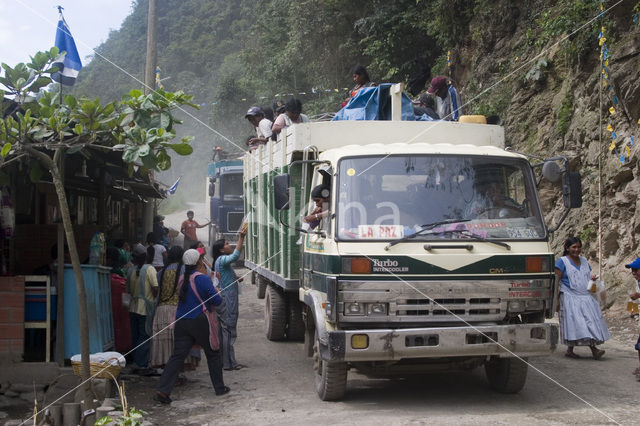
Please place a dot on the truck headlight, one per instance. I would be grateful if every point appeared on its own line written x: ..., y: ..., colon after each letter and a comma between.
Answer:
x: 354, y: 308
x: 377, y: 309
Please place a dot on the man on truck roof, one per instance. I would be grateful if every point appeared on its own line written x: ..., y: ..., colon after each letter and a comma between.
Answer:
x: 256, y: 117
x: 448, y: 103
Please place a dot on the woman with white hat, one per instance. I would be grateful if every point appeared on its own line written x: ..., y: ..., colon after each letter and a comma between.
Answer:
x: 196, y: 324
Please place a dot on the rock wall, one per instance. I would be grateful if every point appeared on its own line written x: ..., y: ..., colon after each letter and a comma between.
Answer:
x: 552, y: 105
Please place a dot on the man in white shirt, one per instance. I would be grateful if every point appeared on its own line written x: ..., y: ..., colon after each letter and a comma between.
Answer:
x: 255, y: 115
x: 448, y: 103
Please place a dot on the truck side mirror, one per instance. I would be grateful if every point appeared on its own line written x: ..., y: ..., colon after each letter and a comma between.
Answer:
x: 572, y: 190
x: 211, y: 190
x: 551, y: 171
x: 281, y: 185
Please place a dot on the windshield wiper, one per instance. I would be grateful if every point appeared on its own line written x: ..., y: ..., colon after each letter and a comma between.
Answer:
x: 477, y: 237
x: 423, y: 229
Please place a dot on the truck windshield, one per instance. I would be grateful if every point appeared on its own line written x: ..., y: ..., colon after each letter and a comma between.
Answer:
x: 391, y: 197
x: 231, y: 186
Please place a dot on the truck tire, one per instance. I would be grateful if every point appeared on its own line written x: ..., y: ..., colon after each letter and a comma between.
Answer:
x: 331, y: 377
x: 506, y: 375
x: 261, y: 286
x: 295, y: 325
x: 275, y: 314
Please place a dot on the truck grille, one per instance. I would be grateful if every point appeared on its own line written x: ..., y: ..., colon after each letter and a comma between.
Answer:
x: 443, y: 301
x: 457, y: 306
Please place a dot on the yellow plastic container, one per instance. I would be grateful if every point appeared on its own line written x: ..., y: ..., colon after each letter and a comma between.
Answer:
x: 475, y: 119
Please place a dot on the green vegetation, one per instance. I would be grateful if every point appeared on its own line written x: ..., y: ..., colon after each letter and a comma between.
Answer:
x: 588, y: 233
x: 564, y: 22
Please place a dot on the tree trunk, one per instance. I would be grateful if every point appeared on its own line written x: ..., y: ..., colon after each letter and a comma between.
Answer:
x: 77, y: 270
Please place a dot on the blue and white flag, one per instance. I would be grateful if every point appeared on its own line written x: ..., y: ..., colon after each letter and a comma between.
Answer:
x: 68, y: 63
x: 172, y: 189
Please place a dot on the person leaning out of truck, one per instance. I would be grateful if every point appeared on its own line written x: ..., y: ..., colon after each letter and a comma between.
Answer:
x: 320, y: 195
x: 292, y: 115
x: 256, y: 117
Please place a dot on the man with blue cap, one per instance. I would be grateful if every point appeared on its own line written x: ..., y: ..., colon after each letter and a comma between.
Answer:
x: 635, y: 271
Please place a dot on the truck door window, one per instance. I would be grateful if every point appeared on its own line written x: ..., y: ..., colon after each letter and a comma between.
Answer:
x: 387, y: 197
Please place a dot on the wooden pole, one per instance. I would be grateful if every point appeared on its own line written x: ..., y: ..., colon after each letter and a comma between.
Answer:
x: 149, y: 87
x: 152, y: 49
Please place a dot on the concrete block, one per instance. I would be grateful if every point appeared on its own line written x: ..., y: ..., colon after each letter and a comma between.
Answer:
x: 30, y: 396
x: 6, y: 402
x: 29, y: 372
x: 26, y: 387
x: 61, y: 386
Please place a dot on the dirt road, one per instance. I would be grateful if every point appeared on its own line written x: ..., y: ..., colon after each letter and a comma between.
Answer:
x: 278, y: 388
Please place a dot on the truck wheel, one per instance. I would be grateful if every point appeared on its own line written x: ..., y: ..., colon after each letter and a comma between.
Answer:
x: 331, y: 377
x: 261, y: 287
x: 275, y: 314
x: 295, y: 325
x: 309, y: 335
x: 506, y: 375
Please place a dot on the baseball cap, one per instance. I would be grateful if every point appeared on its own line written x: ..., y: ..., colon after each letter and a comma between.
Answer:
x: 634, y: 265
x: 437, y: 83
x: 190, y: 257
x: 253, y: 111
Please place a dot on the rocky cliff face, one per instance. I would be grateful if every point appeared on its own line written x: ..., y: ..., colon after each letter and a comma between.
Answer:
x: 552, y: 103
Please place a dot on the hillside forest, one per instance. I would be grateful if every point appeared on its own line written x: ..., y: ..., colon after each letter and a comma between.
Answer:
x: 562, y: 76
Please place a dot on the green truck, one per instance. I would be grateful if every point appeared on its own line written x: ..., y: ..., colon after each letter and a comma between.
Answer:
x: 434, y: 254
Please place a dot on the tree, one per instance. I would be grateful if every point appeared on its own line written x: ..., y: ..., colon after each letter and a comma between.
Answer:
x: 40, y: 126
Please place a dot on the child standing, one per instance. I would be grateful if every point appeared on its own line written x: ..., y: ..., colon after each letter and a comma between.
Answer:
x: 635, y: 271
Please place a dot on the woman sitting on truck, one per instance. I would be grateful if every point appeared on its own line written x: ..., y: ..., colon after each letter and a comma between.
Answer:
x: 292, y: 115
x: 223, y: 256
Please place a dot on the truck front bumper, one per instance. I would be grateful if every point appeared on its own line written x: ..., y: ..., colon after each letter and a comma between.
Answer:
x: 525, y: 340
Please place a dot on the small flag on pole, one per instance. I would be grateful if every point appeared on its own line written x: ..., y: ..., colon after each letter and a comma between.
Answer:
x: 172, y: 189
x: 68, y: 63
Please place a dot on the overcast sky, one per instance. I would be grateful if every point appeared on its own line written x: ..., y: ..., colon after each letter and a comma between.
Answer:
x: 28, y: 26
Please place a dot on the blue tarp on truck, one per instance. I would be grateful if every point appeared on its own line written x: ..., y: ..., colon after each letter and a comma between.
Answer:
x: 374, y: 103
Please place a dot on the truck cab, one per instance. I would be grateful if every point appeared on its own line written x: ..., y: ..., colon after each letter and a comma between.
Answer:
x: 225, y: 198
